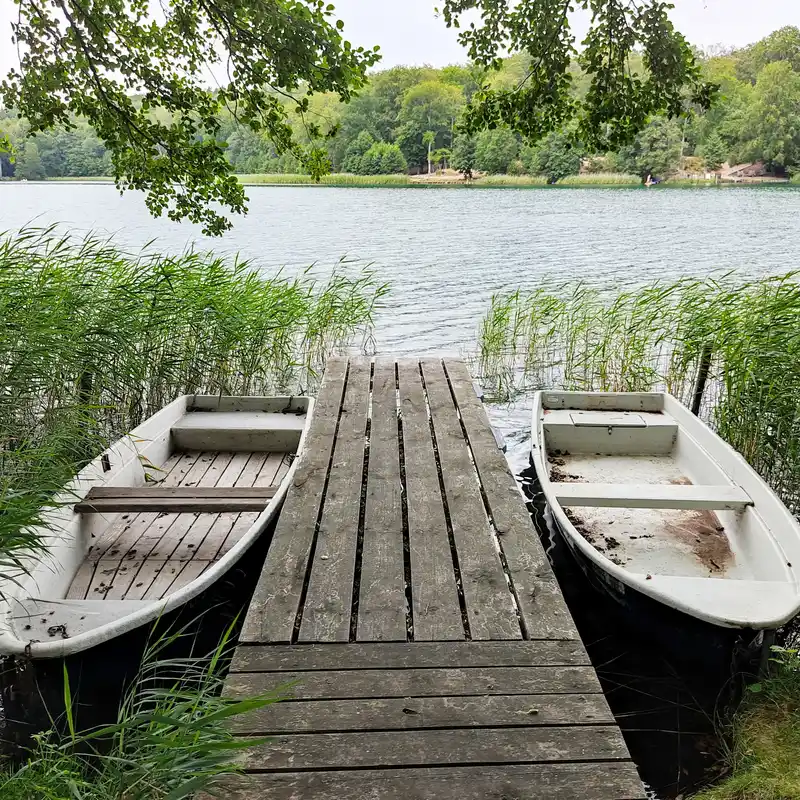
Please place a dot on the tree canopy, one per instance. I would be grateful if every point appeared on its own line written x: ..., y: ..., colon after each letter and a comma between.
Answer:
x: 141, y: 81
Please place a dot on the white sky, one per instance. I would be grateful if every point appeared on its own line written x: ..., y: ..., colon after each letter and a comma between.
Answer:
x: 409, y: 33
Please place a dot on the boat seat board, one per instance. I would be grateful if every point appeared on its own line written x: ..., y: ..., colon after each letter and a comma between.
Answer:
x: 649, y: 495
x: 207, y: 499
x: 590, y: 431
x: 250, y: 431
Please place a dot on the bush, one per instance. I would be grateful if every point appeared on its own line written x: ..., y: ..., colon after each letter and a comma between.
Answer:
x: 516, y: 167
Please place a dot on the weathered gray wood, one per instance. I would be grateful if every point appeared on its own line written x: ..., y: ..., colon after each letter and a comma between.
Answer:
x: 163, y: 581
x: 329, y: 600
x: 181, y: 492
x: 552, y: 781
x: 193, y: 500
x: 382, y: 599
x: 82, y: 581
x: 436, y: 608
x: 143, y: 580
x: 426, y: 748
x: 541, y: 604
x: 489, y: 603
x: 342, y: 684
x: 275, y: 602
x: 397, y: 655
x: 193, y: 570
x: 425, y: 712
x: 123, y: 579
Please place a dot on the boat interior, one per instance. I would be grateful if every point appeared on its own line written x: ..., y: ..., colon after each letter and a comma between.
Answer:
x: 197, y: 484
x: 642, y: 491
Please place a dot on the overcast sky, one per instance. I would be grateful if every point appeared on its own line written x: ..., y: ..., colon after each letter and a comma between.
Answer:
x: 408, y: 31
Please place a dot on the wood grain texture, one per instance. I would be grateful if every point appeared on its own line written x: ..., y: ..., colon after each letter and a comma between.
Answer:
x: 397, y: 655
x: 436, y: 607
x: 540, y: 601
x: 489, y: 603
x: 382, y: 600
x: 329, y: 600
x: 553, y: 781
x: 272, y: 611
x: 368, y: 683
x: 399, y: 713
x: 428, y: 747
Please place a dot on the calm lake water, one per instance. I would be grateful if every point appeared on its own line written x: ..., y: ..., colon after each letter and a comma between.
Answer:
x: 445, y: 252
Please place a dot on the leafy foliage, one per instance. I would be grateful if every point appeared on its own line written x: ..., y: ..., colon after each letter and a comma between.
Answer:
x: 556, y: 157
x: 656, y: 150
x: 618, y: 102
x: 495, y: 150
x: 139, y: 82
x: 462, y: 157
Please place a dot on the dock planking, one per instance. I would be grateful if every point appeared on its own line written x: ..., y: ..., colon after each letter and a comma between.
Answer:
x: 408, y: 614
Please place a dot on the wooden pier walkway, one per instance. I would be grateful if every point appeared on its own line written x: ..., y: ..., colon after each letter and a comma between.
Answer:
x: 406, y: 596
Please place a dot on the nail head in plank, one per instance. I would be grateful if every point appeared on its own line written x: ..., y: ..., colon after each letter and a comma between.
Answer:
x: 398, y: 713
x: 341, y: 684
x: 382, y: 600
x: 403, y: 655
x: 436, y: 607
x: 427, y: 747
x: 488, y: 600
x: 541, y: 604
x: 552, y: 781
x: 272, y: 611
x: 328, y: 602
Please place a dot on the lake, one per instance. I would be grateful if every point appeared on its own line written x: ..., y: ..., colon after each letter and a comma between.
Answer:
x: 445, y: 252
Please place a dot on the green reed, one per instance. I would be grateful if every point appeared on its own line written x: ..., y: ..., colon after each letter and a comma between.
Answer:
x: 93, y: 340
x: 601, y: 179
x: 335, y: 179
x: 654, y: 337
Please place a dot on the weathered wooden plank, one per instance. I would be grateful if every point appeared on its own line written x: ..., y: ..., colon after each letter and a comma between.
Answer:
x: 541, y: 604
x: 436, y: 607
x: 276, y: 600
x: 403, y: 655
x: 488, y: 600
x: 180, y: 492
x: 123, y: 579
x: 494, y: 711
x: 428, y: 748
x: 217, y: 503
x: 164, y: 580
x: 342, y: 684
x: 194, y: 569
x: 82, y: 581
x: 141, y: 584
x: 329, y: 600
x: 552, y: 781
x: 382, y: 599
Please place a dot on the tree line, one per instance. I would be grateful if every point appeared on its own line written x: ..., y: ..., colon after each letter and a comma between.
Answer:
x: 407, y: 120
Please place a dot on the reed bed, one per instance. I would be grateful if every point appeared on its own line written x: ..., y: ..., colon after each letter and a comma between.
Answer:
x: 509, y: 180
x: 93, y: 340
x: 601, y: 179
x: 335, y: 179
x: 172, y: 736
x: 655, y: 337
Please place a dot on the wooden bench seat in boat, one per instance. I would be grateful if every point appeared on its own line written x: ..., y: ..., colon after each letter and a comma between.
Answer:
x: 238, y: 431
x: 176, y: 499
x: 650, y: 495
x: 606, y: 432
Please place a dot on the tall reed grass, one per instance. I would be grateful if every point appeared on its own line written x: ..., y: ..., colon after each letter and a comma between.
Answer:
x: 655, y: 337
x: 93, y: 340
x: 171, y: 738
x: 335, y: 179
x: 601, y: 179
x: 509, y: 180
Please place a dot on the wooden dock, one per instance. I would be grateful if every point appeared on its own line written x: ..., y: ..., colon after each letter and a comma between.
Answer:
x: 406, y: 596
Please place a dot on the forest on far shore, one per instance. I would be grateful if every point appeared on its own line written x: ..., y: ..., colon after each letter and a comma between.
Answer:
x: 406, y: 120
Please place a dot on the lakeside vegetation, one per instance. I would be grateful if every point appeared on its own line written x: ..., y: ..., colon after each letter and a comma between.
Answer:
x: 405, y: 119
x: 94, y: 339
x: 171, y: 737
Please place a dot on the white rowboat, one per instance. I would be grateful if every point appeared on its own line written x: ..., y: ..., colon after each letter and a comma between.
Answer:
x: 655, y: 504
x: 154, y: 521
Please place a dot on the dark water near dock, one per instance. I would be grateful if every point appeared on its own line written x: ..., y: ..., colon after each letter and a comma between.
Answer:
x: 444, y: 254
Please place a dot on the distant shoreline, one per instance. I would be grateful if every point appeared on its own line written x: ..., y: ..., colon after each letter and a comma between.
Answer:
x: 339, y: 180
